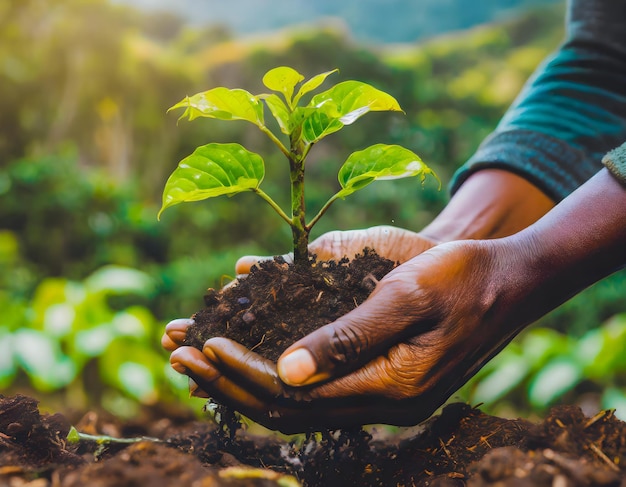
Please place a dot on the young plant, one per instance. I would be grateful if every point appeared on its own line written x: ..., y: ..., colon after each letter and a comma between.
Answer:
x: 226, y: 169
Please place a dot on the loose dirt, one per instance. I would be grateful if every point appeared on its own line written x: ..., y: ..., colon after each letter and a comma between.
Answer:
x: 461, y: 446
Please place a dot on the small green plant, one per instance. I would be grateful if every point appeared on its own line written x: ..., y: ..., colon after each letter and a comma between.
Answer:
x: 226, y: 169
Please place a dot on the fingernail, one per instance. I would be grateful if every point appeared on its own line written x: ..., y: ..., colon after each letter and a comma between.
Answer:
x: 297, y: 367
x: 178, y: 367
x: 195, y: 391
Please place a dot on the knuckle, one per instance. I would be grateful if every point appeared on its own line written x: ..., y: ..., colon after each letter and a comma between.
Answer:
x: 347, y: 345
x: 404, y: 374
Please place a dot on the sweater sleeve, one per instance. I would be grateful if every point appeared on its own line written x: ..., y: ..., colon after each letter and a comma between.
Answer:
x: 572, y: 110
x: 615, y: 162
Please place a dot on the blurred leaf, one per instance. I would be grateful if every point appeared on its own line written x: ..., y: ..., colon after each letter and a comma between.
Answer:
x: 120, y: 280
x: 614, y: 398
x: 58, y: 319
x: 511, y: 370
x: 50, y: 292
x: 14, y: 312
x: 9, y: 246
x: 93, y: 341
x: 540, y: 344
x: 42, y: 359
x: 133, y: 368
x: 601, y: 350
x: 135, y: 321
x: 557, y: 377
x: 8, y: 366
x: 137, y: 380
x: 213, y: 170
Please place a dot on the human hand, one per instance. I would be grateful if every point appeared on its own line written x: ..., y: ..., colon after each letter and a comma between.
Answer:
x: 445, y: 313
x: 396, y: 244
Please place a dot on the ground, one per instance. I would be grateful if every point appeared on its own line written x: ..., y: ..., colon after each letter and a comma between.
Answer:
x: 461, y: 446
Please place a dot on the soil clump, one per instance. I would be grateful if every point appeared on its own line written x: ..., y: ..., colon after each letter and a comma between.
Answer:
x: 279, y: 303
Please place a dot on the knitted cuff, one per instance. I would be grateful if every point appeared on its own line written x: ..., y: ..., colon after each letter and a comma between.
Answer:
x: 615, y: 162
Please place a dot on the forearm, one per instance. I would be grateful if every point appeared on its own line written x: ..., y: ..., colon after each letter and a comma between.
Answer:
x: 580, y: 241
x: 492, y: 203
x: 571, y: 112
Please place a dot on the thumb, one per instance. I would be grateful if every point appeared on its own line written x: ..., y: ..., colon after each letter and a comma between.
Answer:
x: 354, y: 339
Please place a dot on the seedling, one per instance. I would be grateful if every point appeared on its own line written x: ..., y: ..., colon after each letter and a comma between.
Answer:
x: 226, y: 169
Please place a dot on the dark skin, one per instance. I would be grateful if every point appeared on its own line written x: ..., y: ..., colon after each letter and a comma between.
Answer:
x: 490, y: 204
x: 446, y: 311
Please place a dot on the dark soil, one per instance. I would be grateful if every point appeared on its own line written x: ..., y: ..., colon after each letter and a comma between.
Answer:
x: 461, y: 446
x: 277, y: 304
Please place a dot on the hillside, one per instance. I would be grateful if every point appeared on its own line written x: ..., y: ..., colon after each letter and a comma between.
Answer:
x: 376, y: 21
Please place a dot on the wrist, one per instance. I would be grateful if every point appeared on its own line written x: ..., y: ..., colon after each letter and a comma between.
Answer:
x: 579, y: 242
x: 492, y: 203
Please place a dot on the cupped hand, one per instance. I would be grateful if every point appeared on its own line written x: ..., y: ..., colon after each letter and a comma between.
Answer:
x: 396, y: 244
x: 427, y: 328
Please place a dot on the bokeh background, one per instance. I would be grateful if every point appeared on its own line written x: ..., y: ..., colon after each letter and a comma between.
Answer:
x: 89, y: 277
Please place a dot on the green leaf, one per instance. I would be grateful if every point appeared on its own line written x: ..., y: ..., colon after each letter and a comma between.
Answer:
x: 311, y: 84
x: 213, y: 170
x: 120, y: 280
x: 508, y: 375
x: 341, y: 105
x: 379, y: 162
x: 8, y: 366
x: 614, y: 398
x: 284, y: 80
x: 280, y: 111
x: 557, y: 377
x: 73, y: 436
x: 132, y: 367
x: 224, y: 104
x: 43, y: 360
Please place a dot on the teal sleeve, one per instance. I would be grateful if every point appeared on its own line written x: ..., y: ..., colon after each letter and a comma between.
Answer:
x: 571, y: 112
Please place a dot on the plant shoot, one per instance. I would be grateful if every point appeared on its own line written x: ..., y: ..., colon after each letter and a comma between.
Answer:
x: 226, y: 169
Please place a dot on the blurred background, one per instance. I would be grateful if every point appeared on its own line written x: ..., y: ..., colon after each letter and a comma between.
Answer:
x: 89, y: 277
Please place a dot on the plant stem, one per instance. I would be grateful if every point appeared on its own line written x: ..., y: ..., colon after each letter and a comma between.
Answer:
x: 273, y: 204
x: 74, y: 436
x: 320, y: 213
x: 276, y: 140
x: 299, y: 230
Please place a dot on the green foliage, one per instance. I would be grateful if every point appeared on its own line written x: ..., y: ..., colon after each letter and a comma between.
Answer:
x: 544, y: 367
x: 72, y: 330
x: 226, y: 169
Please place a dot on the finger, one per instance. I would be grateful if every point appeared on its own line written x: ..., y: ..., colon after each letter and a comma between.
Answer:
x: 289, y: 416
x: 191, y: 361
x: 249, y: 368
x: 385, y: 318
x: 396, y: 244
x: 404, y: 372
x: 245, y: 263
x: 175, y: 332
x: 195, y: 390
x: 168, y: 344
